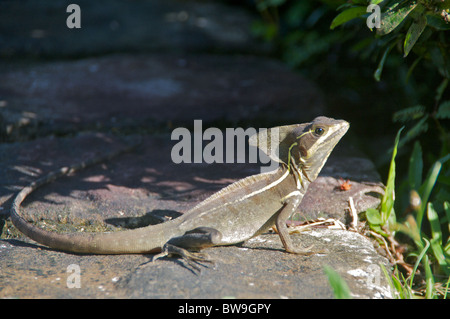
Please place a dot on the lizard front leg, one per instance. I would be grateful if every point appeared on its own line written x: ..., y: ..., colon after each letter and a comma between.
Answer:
x: 291, y: 203
x: 195, y: 239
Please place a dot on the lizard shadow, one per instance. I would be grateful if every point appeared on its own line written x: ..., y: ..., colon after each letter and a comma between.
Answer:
x: 156, y: 216
x: 21, y: 243
x: 193, y: 266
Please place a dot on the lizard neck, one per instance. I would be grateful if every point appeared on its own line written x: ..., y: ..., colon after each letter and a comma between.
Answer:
x: 299, y: 173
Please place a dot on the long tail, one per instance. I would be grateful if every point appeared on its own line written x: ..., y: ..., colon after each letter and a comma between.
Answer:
x: 141, y: 240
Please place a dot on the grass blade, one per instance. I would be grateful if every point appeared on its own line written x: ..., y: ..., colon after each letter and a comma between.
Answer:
x: 419, y: 259
x: 429, y: 278
x: 436, y: 239
x: 447, y: 214
x: 427, y: 187
x: 339, y: 286
x: 446, y: 288
x: 387, y: 202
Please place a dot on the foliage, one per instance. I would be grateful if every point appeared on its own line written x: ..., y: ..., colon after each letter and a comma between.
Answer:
x: 384, y: 217
x: 330, y: 37
x: 437, y: 239
x: 422, y: 27
x: 408, y: 24
x: 417, y: 30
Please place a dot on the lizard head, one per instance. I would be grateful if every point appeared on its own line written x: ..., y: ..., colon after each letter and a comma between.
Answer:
x: 313, y: 144
x: 306, y: 146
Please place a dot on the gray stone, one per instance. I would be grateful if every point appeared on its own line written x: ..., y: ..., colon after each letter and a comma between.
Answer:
x: 39, y: 28
x: 122, y: 193
x: 261, y: 269
x: 257, y: 269
x: 169, y: 83
x: 138, y: 90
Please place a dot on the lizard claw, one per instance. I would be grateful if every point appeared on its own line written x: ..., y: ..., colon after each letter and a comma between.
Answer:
x: 306, y: 251
x: 300, y: 251
x: 193, y: 259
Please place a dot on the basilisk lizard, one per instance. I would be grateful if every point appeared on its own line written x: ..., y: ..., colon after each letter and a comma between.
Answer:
x: 236, y: 213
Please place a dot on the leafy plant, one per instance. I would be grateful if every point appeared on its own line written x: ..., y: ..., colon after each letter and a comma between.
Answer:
x: 397, y: 283
x: 417, y: 24
x: 384, y: 216
x: 298, y: 29
x: 439, y: 254
x: 425, y: 211
x: 421, y: 120
x: 409, y: 53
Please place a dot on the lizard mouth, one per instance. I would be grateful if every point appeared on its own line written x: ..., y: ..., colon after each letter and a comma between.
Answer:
x: 340, y: 131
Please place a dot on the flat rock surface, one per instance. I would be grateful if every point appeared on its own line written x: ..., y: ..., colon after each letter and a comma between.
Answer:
x: 137, y: 70
x: 124, y: 90
x: 258, y: 269
x: 261, y: 269
x: 128, y: 190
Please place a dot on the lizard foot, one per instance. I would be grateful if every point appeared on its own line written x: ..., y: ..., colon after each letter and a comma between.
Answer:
x: 192, y: 258
x: 300, y: 251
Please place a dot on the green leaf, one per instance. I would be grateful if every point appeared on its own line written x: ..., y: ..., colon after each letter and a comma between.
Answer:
x: 398, y: 290
x: 433, y: 218
x: 339, y: 286
x: 429, y: 278
x: 413, y: 66
x: 390, y: 279
x: 447, y: 213
x: 379, y: 70
x: 347, y: 15
x: 440, y: 90
x: 437, y: 22
x: 394, y: 16
x: 419, y: 259
x: 446, y: 288
x: 373, y: 216
x: 413, y: 34
x: 436, y: 239
x: 427, y: 187
x: 415, y: 167
x: 409, y: 114
x: 439, y: 57
x: 387, y: 202
x: 443, y: 111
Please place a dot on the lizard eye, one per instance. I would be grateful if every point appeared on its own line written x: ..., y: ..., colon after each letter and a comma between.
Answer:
x: 319, y: 131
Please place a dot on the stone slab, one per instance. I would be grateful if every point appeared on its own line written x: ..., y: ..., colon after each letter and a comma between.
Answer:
x: 261, y: 269
x: 38, y: 29
x: 122, y: 193
x: 140, y: 90
x: 258, y: 269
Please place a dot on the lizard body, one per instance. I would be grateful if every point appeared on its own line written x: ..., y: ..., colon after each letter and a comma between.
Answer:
x: 234, y: 214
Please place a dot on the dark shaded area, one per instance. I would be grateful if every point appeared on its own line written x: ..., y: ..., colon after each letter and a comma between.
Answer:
x: 38, y: 29
x: 141, y: 69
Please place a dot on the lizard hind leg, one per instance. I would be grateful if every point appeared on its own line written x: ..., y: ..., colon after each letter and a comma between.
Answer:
x: 187, y: 245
